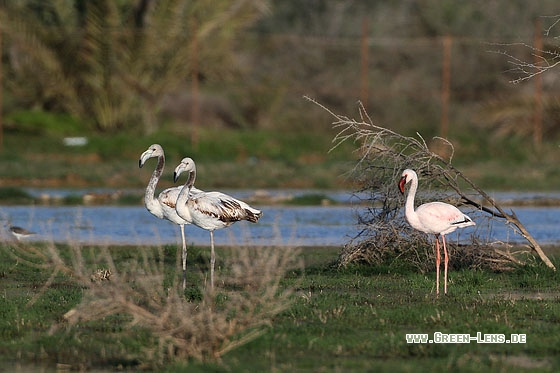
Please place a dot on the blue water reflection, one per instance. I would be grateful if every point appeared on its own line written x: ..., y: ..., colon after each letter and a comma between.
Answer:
x: 280, y: 225
x: 135, y: 225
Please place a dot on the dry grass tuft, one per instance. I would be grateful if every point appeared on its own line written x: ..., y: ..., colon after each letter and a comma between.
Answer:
x: 240, y: 309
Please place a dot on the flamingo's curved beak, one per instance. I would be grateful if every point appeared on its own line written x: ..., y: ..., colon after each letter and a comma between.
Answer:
x: 402, y: 181
x: 144, y: 157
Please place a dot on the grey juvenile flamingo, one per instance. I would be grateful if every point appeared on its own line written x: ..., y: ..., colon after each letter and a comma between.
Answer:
x: 210, y: 210
x: 164, y: 206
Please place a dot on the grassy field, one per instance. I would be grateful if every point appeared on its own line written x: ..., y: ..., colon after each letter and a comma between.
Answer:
x: 351, y: 319
x: 35, y: 156
x: 226, y: 158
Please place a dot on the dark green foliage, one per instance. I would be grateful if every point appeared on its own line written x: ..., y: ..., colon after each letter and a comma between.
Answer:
x: 311, y: 199
x: 12, y: 195
x: 42, y: 123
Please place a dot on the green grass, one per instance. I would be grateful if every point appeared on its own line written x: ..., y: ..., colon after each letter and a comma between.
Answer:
x: 225, y: 158
x: 34, y: 154
x: 352, y: 319
x: 36, y: 122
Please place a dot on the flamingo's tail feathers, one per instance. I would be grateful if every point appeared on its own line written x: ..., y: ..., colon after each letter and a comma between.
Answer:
x: 253, y: 215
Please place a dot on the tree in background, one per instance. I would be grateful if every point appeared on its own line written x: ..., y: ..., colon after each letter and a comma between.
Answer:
x: 111, y: 63
x: 123, y: 63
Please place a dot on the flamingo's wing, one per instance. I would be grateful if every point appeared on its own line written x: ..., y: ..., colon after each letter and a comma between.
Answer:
x: 168, y: 197
x: 439, y: 217
x: 223, y: 207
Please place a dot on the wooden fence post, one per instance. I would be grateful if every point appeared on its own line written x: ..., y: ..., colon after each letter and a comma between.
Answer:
x: 538, y: 108
x: 445, y: 85
x: 195, y: 91
x: 364, y: 62
x: 1, y: 98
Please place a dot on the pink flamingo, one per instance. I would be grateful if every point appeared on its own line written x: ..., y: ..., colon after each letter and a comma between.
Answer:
x: 434, y: 218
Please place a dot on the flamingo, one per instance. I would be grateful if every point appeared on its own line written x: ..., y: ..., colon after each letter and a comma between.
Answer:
x: 164, y: 206
x: 437, y: 218
x: 210, y: 210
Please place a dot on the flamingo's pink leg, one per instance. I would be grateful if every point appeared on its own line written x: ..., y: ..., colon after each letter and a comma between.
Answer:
x: 445, y: 261
x: 438, y: 261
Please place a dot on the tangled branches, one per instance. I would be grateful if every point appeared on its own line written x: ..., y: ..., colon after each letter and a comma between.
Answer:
x: 383, y: 155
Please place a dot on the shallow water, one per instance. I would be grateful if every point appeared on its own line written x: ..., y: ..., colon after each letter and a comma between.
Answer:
x: 135, y: 225
x: 280, y: 225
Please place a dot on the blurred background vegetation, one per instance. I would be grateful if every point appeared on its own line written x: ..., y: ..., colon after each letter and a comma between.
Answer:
x: 223, y: 82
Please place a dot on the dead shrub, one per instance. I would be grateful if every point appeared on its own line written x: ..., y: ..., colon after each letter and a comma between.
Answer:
x: 382, y: 156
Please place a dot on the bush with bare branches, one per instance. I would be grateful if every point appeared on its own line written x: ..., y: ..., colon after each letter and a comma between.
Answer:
x: 383, y: 155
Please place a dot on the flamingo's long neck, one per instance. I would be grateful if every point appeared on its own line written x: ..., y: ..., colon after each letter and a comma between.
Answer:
x: 185, y: 193
x: 149, y: 199
x: 409, y: 211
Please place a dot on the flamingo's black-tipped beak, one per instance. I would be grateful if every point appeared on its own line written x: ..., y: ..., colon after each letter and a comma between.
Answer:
x: 402, y: 181
x: 175, y: 176
x: 145, y: 156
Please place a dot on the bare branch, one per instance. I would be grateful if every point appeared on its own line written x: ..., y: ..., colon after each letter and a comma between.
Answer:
x: 383, y: 154
x: 556, y: 21
x: 544, y: 59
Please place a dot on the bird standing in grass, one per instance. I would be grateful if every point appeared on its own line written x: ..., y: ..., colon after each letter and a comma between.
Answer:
x: 163, y: 206
x: 210, y: 210
x: 437, y: 218
x: 20, y: 233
